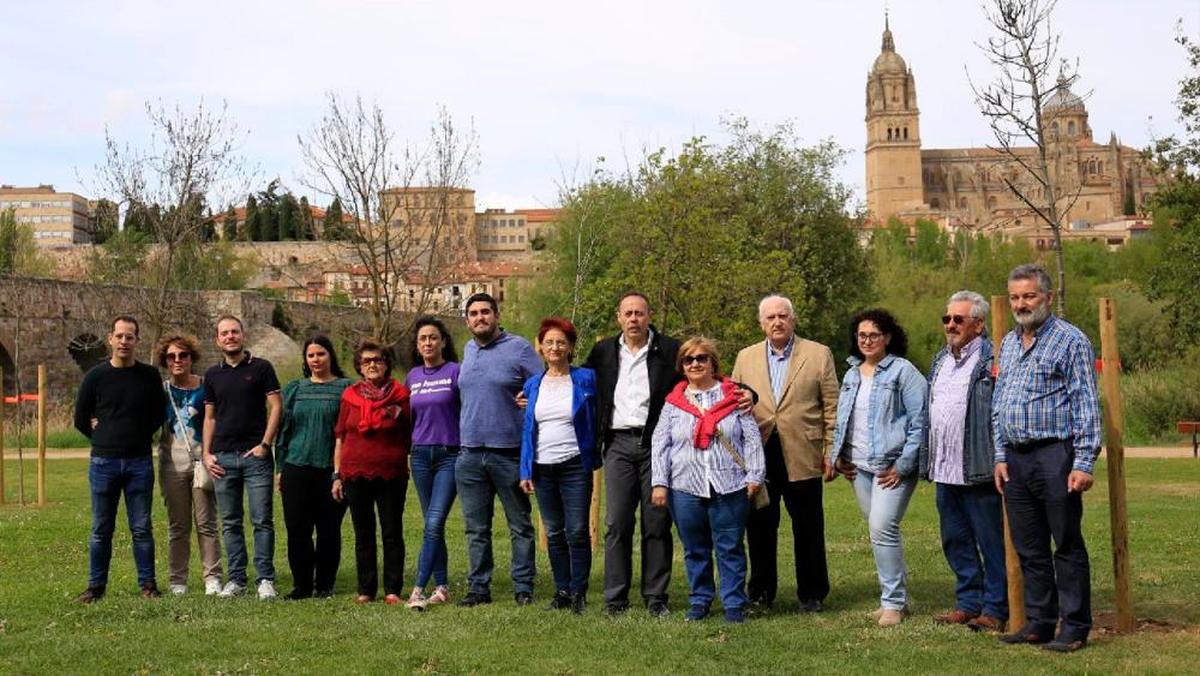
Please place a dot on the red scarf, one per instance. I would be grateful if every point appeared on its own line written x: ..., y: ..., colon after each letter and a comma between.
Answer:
x: 706, y: 425
x: 375, y: 403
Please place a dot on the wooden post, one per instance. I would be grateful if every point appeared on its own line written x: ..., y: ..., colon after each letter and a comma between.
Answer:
x: 543, y: 540
x: 2, y: 499
x: 1012, y: 563
x: 41, y: 435
x: 594, y: 512
x: 1114, y: 432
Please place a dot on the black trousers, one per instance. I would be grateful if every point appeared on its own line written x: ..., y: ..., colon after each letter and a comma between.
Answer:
x: 308, y: 506
x: 803, y: 500
x: 626, y: 487
x: 366, y: 497
x: 1040, y: 508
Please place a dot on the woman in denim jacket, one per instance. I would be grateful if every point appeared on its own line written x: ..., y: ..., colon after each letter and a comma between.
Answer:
x: 878, y: 444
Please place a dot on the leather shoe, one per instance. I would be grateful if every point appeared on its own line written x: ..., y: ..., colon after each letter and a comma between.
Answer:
x: 90, y: 595
x: 658, y: 608
x: 615, y: 609
x: 986, y: 623
x: 811, y: 606
x: 1063, y: 644
x: 523, y: 598
x: 956, y: 616
x: 1025, y: 634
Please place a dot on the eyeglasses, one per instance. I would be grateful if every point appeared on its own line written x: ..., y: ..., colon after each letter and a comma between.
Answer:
x: 556, y: 343
x: 869, y: 337
x: 695, y: 359
x: 367, y: 361
x: 957, y: 319
x: 179, y: 356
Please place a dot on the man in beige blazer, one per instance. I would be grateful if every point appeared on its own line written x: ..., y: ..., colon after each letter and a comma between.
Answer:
x: 796, y: 412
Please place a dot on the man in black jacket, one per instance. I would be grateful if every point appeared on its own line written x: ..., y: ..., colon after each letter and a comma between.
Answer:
x: 119, y: 408
x: 634, y: 373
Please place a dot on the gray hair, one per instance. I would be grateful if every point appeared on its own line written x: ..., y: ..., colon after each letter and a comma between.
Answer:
x: 979, y: 306
x: 1031, y: 271
x: 786, y: 301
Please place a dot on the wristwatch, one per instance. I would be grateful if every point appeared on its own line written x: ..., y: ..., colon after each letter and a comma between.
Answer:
x: 270, y: 447
x: 335, y: 477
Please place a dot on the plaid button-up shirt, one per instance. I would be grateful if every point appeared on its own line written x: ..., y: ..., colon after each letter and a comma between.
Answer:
x: 1048, y: 392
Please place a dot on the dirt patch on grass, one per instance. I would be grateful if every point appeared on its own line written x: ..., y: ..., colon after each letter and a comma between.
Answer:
x: 1105, y: 624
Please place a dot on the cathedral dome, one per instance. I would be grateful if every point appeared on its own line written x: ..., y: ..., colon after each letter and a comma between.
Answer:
x: 888, y: 61
x: 1063, y: 99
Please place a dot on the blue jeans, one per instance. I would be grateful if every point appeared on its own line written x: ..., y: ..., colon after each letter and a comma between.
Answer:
x: 433, y: 473
x: 972, y: 524
x: 707, y: 523
x: 482, y: 474
x: 564, y: 495
x: 108, y: 478
x: 883, y: 508
x: 256, y: 476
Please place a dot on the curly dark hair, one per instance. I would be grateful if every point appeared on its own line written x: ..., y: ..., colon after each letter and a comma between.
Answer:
x: 448, y: 351
x: 898, y: 345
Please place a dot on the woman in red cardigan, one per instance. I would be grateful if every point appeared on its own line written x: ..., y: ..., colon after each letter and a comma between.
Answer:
x: 370, y: 467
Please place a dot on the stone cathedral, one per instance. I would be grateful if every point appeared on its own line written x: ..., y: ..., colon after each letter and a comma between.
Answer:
x: 964, y: 187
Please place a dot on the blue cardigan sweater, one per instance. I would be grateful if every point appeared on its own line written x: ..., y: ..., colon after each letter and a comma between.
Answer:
x: 583, y: 414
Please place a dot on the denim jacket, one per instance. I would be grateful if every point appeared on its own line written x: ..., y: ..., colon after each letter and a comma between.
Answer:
x: 978, y: 448
x: 897, y: 415
x: 583, y: 415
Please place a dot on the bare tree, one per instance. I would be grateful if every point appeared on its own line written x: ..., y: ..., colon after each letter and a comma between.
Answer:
x: 409, y: 224
x: 191, y: 164
x: 1030, y: 90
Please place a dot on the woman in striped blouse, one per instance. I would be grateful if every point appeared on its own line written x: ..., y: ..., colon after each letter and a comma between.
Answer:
x: 707, y: 463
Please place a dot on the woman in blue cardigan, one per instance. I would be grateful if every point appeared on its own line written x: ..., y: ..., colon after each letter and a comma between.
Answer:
x: 558, y: 456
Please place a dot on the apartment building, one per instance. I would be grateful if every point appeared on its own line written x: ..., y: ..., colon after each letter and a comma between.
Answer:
x: 56, y: 218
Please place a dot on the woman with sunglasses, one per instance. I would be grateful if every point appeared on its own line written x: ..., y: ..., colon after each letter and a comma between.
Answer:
x: 179, y: 448
x: 557, y: 458
x: 304, y: 457
x: 878, y: 443
x: 370, y: 468
x: 707, y: 464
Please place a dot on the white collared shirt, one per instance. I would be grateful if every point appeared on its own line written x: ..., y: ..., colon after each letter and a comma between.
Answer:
x: 631, y: 396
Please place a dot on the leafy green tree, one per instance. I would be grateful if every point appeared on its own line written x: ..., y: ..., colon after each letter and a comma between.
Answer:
x: 19, y: 254
x: 250, y: 230
x: 229, y: 225
x: 305, y: 231
x: 332, y: 227
x: 287, y: 217
x: 105, y: 219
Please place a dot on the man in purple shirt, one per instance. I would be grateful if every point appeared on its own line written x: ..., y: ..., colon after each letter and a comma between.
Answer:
x: 961, y: 465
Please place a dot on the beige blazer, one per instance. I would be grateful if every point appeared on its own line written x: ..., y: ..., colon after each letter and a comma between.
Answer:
x: 806, y: 413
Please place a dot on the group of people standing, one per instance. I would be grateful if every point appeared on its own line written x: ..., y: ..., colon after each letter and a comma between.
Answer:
x: 679, y: 441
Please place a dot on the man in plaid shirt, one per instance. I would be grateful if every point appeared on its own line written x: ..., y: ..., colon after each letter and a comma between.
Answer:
x: 1046, y: 420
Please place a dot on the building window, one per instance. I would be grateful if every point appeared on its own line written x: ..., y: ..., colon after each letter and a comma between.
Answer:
x: 962, y: 202
x: 991, y: 202
x: 1071, y: 128
x: 889, y: 134
x: 935, y: 203
x: 906, y: 133
x: 900, y: 180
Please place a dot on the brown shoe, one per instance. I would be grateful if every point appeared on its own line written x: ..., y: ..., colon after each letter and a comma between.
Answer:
x: 987, y: 623
x: 150, y: 591
x: 90, y: 595
x: 957, y: 616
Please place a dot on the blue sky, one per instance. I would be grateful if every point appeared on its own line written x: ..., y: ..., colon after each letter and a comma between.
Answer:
x: 550, y: 86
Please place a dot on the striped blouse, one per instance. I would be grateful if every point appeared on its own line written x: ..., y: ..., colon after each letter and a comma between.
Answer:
x: 678, y: 465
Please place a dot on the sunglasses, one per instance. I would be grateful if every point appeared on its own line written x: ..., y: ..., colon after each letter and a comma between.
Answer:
x: 365, y: 361
x: 179, y: 356
x: 695, y: 359
x: 956, y: 319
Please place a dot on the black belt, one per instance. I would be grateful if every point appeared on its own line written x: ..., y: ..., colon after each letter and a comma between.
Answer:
x: 631, y: 431
x: 1039, y: 444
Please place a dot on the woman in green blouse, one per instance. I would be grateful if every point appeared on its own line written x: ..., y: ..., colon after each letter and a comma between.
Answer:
x: 304, y: 455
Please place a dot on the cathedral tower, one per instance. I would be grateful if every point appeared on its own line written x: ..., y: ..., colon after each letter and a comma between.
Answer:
x: 893, y: 157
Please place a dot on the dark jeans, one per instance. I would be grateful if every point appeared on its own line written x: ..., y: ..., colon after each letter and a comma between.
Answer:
x: 366, y: 497
x: 626, y: 487
x: 705, y: 524
x: 433, y: 474
x: 972, y: 524
x: 309, y: 506
x: 109, y: 478
x: 564, y: 495
x: 482, y: 474
x: 1039, y: 508
x: 804, y: 503
x: 257, y: 477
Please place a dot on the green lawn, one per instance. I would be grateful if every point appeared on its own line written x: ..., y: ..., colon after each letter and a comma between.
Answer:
x: 43, y: 564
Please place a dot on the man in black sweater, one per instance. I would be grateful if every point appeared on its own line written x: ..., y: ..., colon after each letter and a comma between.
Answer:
x: 120, y: 406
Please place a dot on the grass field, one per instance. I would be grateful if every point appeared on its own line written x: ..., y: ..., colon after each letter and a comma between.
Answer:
x: 43, y: 565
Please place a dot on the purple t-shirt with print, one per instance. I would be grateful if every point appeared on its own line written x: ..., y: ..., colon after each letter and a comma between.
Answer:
x: 435, y: 404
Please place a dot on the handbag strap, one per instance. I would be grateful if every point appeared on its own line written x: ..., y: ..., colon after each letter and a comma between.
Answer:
x: 179, y: 419
x: 737, y: 457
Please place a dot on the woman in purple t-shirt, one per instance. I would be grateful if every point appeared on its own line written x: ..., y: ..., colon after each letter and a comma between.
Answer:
x: 433, y: 381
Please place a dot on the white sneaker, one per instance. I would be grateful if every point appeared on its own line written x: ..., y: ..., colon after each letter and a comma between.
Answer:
x: 232, y: 589
x: 266, y: 590
x: 212, y: 586
x: 179, y: 589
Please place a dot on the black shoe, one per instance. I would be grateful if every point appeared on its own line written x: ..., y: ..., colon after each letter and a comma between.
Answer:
x: 1064, y: 644
x: 811, y: 606
x: 735, y: 615
x: 696, y: 613
x: 523, y: 598
x: 761, y: 600
x: 658, y: 608
x: 150, y: 591
x: 1025, y: 634
x: 473, y: 599
x: 615, y: 609
x: 578, y: 603
x: 561, y: 601
x: 323, y: 594
x: 91, y: 594
x: 298, y: 595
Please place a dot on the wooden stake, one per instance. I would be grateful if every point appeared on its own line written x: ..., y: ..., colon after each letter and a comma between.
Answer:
x: 594, y: 512
x: 543, y: 540
x: 41, y: 435
x: 1114, y: 433
x: 1012, y: 563
x: 2, y: 500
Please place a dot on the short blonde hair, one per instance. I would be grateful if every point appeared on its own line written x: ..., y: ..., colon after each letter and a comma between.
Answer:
x: 699, y: 344
x: 184, y: 340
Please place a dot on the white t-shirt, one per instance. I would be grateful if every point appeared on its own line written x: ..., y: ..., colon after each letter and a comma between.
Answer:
x: 860, y: 425
x: 556, y: 440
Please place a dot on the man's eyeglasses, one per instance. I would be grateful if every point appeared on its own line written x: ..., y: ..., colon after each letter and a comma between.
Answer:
x: 695, y: 359
x: 179, y: 356
x: 957, y: 319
